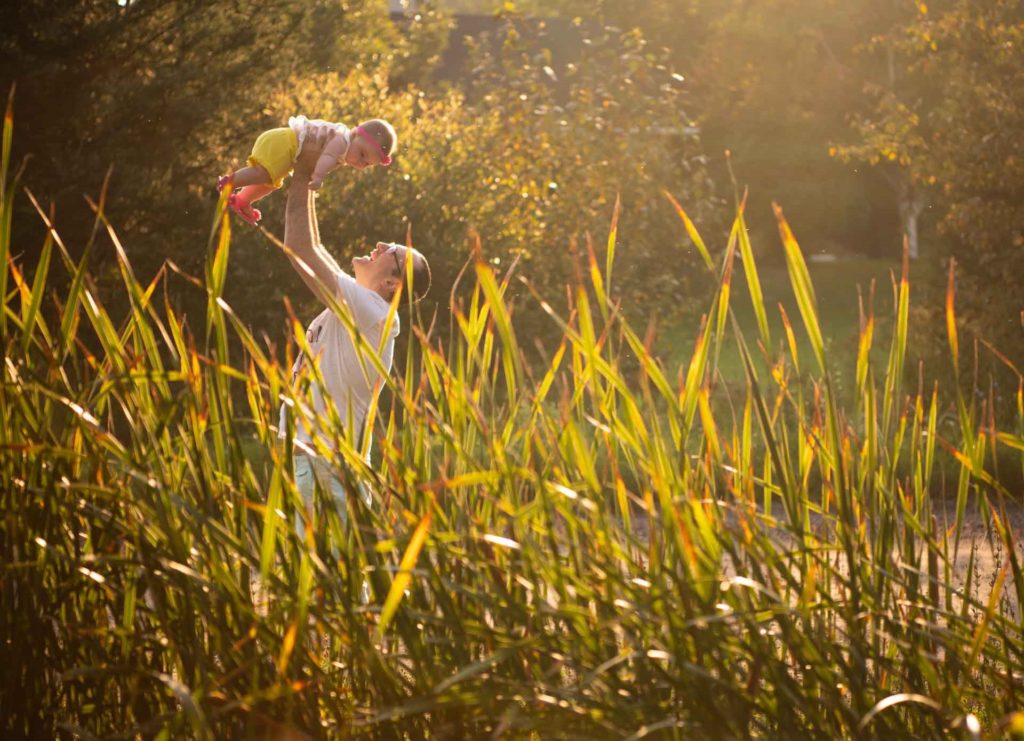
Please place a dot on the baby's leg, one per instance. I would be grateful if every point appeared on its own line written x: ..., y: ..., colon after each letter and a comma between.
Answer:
x: 241, y: 202
x: 252, y: 193
x: 252, y: 175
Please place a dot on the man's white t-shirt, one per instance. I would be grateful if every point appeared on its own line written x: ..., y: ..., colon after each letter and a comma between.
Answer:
x: 351, y: 386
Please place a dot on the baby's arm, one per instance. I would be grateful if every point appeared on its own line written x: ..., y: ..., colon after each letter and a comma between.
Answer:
x: 333, y: 154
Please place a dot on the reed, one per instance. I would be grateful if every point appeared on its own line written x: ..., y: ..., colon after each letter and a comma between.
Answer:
x: 594, y: 544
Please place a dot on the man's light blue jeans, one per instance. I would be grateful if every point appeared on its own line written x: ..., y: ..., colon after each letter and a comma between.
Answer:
x: 311, y: 473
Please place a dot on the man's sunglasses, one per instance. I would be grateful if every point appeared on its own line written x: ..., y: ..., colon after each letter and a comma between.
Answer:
x: 393, y: 249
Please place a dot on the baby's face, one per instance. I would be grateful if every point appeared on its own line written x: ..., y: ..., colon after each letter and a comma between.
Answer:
x: 361, y: 154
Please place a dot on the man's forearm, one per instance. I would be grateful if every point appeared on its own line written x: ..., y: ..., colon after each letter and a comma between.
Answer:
x: 314, y: 264
x: 314, y: 225
x: 298, y: 221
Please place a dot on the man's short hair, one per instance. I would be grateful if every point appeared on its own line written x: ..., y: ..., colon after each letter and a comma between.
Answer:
x: 421, y: 277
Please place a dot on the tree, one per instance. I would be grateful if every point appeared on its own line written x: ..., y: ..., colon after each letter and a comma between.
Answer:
x: 532, y: 160
x: 166, y: 96
x: 972, y: 153
x: 888, y: 124
x: 945, y: 121
x: 529, y: 152
x: 165, y: 93
x: 774, y: 83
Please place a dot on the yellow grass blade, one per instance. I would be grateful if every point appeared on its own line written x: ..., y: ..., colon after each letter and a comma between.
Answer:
x: 404, y: 575
x: 612, y: 235
x: 951, y: 318
x: 802, y: 287
x: 287, y: 647
x: 894, y: 375
x: 708, y: 422
x: 692, y: 231
x: 695, y: 376
x: 750, y: 273
x: 724, y: 294
x: 867, y: 332
x: 503, y: 322
x: 790, y: 338
x: 595, y: 278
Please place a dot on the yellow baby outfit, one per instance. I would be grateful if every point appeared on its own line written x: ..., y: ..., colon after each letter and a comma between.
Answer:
x: 275, y: 150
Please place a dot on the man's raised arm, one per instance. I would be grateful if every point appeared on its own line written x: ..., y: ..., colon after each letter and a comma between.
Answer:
x: 302, y: 236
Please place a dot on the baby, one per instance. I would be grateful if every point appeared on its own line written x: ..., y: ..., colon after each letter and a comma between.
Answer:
x: 275, y: 151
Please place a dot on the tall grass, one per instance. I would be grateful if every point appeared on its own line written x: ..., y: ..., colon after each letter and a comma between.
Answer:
x: 590, y: 547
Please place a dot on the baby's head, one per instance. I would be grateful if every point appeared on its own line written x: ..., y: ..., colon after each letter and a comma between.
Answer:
x: 372, y: 143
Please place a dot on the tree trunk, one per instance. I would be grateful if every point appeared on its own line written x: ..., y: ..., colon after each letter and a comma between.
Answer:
x: 911, y: 203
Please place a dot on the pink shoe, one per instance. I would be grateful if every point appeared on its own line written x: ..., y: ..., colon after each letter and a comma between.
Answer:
x: 244, y: 210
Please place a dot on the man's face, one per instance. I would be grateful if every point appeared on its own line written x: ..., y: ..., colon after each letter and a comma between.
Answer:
x: 385, y: 261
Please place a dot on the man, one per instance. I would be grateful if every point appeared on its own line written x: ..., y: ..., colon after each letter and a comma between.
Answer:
x: 351, y: 378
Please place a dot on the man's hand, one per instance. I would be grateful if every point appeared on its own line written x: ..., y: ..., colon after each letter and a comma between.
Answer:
x: 312, y: 148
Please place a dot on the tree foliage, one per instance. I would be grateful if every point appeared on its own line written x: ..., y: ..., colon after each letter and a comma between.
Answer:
x: 530, y: 161
x: 975, y: 156
x: 868, y: 120
x: 164, y: 95
x: 528, y: 152
x: 949, y: 120
x: 773, y: 84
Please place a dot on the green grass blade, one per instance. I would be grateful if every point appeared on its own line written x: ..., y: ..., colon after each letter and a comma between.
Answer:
x: 897, y: 353
x: 753, y: 281
x: 30, y: 311
x: 691, y: 230
x: 271, y: 524
x: 612, y: 236
x: 802, y: 287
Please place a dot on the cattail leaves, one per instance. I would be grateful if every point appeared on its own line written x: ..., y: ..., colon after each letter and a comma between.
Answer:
x: 5, y: 159
x: 7, y: 191
x: 691, y: 231
x: 897, y: 353
x: 954, y: 345
x: 613, y: 231
x: 32, y: 298
x: 750, y: 272
x: 802, y: 288
x: 588, y: 544
x: 404, y: 574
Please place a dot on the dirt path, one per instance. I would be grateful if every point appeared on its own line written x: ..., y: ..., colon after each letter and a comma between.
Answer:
x: 978, y: 539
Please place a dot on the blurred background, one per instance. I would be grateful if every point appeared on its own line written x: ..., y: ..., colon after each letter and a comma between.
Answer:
x: 521, y: 124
